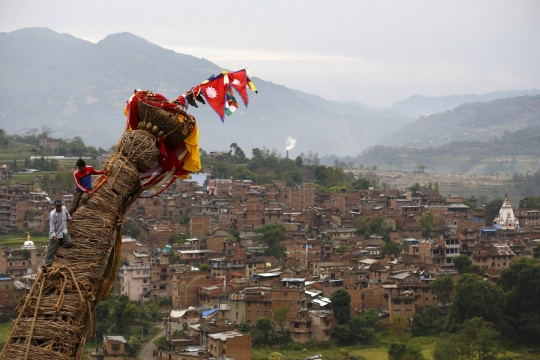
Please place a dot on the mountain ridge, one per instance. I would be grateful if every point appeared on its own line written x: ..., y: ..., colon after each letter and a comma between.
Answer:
x: 477, y: 121
x: 79, y: 88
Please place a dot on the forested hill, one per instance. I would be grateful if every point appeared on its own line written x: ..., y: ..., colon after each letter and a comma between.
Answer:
x: 500, y: 153
x: 418, y: 105
x: 470, y: 122
x: 77, y: 88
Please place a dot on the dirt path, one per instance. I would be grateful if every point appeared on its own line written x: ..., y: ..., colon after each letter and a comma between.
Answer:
x: 149, y: 347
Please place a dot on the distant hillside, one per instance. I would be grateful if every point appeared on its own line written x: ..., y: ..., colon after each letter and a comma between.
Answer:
x: 508, y: 153
x: 417, y: 105
x: 470, y: 122
x: 78, y: 88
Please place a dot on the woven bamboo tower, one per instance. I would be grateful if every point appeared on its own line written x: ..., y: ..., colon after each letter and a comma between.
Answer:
x: 57, y: 315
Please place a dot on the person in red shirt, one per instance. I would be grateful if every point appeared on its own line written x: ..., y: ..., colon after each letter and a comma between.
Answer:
x: 83, y: 184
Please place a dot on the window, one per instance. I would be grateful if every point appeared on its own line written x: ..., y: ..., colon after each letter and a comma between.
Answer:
x: 145, y: 281
x: 23, y: 263
x: 138, y: 272
x: 145, y: 272
x: 397, y: 302
x: 11, y: 263
x: 397, y: 312
x: 116, y: 347
x: 408, y: 311
x: 297, y: 335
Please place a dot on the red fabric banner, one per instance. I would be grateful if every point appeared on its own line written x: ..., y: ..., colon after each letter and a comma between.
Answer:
x: 215, y: 92
x: 238, y: 80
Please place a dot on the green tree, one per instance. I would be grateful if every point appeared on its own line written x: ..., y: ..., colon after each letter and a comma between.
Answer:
x: 474, y: 297
x: 299, y: 162
x: 161, y: 342
x: 204, y: 267
x: 398, y: 328
x: 281, y: 315
x: 276, y: 356
x: 443, y: 287
x: 427, y: 223
x: 341, y: 305
x: 428, y: 322
x: 492, y: 210
x: 530, y: 202
x: 476, y: 339
x: 237, y: 155
x: 133, y: 346
x: 521, y: 284
x: 391, y: 248
x: 272, y: 236
x: 342, y: 333
x: 401, y: 351
x: 264, y: 332
x: 362, y: 330
x: 361, y: 184
x: 131, y: 229
x: 26, y: 254
x: 45, y: 183
x: 462, y: 263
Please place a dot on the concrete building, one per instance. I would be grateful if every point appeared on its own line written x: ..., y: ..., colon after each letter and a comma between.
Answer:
x: 135, y: 281
x: 113, y: 349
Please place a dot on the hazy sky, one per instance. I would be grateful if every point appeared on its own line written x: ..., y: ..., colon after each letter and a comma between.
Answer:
x: 376, y: 52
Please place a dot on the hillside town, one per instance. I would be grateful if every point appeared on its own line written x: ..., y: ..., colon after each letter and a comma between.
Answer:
x: 199, y: 245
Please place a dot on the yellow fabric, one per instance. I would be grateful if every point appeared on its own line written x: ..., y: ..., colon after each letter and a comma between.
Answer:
x: 128, y: 126
x: 192, y: 161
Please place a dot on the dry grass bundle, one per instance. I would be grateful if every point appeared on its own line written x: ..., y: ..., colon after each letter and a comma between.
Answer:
x: 139, y: 148
x: 14, y: 351
x: 172, y: 128
x: 122, y: 182
x: 55, y: 317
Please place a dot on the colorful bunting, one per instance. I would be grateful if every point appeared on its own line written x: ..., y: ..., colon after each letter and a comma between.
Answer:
x: 217, y: 90
x: 231, y: 105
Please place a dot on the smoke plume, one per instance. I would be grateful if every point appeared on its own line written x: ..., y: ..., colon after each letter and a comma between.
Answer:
x: 291, y: 142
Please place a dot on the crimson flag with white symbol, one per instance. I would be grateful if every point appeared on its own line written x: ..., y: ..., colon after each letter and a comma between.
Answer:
x: 215, y: 93
x: 238, y: 80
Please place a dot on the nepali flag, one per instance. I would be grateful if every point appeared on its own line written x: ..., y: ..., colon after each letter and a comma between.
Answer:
x: 231, y: 105
x: 215, y: 92
x: 239, y: 81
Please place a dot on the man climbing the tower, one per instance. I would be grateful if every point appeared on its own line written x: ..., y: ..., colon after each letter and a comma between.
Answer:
x: 83, y: 184
x: 58, y: 234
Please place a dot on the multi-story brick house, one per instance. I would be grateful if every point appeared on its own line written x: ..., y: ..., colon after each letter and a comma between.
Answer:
x: 529, y: 219
x: 407, y: 296
x: 199, y: 225
x: 19, y: 262
x: 307, y: 254
x: 113, y: 348
x: 10, y: 295
x: 212, y: 296
x: 230, y: 344
x: 301, y: 196
x: 135, y: 281
x: 291, y: 292
x: 195, y: 257
x: 227, y: 267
